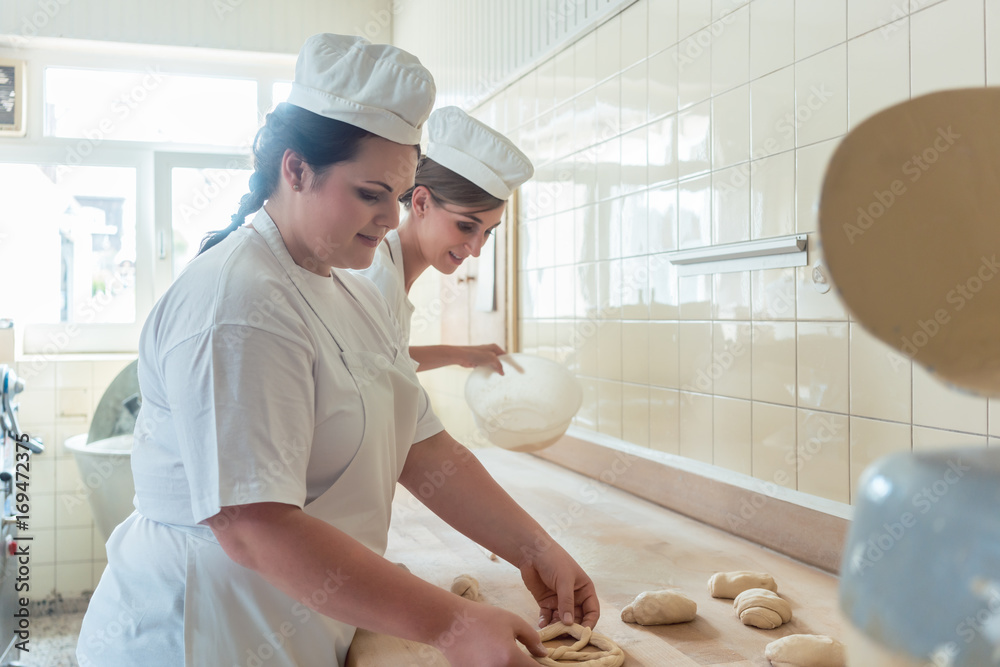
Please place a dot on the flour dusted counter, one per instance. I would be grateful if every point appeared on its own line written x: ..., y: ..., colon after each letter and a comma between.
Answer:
x: 628, y: 546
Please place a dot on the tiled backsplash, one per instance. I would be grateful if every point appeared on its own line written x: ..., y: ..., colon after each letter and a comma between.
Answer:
x: 59, y: 401
x: 684, y: 123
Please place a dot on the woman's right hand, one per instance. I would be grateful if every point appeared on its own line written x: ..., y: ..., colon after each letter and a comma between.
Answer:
x: 487, y: 636
x: 471, y: 356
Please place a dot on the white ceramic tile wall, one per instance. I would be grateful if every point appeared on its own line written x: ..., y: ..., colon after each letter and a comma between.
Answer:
x: 744, y: 103
x: 59, y: 400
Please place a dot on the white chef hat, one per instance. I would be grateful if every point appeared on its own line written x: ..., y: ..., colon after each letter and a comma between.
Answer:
x: 476, y: 152
x: 376, y: 87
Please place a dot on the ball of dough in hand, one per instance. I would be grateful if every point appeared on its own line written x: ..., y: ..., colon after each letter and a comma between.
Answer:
x: 466, y: 586
x: 731, y: 584
x: 762, y: 608
x: 660, y: 608
x: 805, y: 651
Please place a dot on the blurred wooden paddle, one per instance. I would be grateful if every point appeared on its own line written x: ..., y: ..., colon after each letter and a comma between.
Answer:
x: 910, y: 229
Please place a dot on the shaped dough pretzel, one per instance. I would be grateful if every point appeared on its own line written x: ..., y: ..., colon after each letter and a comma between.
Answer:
x: 610, y: 654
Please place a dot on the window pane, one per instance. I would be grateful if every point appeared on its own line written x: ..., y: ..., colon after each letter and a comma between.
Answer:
x: 99, y: 105
x: 67, y: 237
x: 203, y: 201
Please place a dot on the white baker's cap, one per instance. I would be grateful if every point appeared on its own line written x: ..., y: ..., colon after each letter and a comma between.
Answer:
x: 476, y: 152
x: 376, y: 87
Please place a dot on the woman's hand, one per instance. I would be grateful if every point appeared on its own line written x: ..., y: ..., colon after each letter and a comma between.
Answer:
x: 471, y: 356
x: 563, y: 590
x: 488, y: 636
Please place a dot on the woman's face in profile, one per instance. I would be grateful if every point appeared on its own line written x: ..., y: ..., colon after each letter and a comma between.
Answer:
x: 345, y: 212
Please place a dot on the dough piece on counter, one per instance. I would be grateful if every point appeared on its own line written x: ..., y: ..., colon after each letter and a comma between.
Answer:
x: 610, y: 655
x: 731, y: 584
x: 762, y: 608
x: 805, y: 651
x: 660, y: 608
x: 466, y: 586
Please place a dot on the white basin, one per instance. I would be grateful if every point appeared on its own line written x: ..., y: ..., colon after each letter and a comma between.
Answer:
x: 106, y: 473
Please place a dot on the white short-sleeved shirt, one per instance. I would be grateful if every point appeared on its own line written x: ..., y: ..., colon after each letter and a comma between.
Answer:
x: 386, y: 272
x: 245, y: 395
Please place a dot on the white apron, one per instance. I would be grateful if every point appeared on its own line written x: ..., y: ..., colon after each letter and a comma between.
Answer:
x: 231, y: 615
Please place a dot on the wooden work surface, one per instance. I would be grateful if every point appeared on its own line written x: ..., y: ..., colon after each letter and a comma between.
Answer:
x: 627, y: 545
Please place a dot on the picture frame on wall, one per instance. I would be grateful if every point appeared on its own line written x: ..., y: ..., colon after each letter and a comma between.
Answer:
x: 11, y: 98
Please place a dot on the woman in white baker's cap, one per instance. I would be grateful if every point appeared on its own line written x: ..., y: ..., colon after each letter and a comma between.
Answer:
x: 460, y: 191
x: 279, y: 411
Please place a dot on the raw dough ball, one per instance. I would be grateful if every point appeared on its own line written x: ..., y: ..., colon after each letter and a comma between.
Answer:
x: 805, y: 651
x: 731, y: 584
x: 660, y: 608
x: 762, y: 608
x: 466, y: 586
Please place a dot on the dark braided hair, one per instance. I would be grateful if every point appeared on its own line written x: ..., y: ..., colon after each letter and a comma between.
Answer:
x: 322, y: 142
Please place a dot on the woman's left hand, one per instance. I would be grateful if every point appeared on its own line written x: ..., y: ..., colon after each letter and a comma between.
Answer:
x: 562, y: 589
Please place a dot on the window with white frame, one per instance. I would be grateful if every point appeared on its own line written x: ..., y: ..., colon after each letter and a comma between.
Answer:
x: 123, y: 171
x: 149, y: 105
x: 70, y: 231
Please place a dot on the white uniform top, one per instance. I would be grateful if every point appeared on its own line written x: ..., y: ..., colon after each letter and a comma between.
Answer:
x: 386, y: 272
x: 270, y: 412
x: 247, y: 398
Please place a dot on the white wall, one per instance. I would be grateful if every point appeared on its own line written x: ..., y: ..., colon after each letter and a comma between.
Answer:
x: 686, y: 123
x: 474, y: 47
x: 246, y: 25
